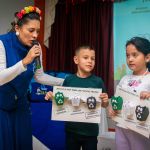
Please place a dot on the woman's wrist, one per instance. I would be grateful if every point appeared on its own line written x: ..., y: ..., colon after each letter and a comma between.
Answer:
x: 24, y: 62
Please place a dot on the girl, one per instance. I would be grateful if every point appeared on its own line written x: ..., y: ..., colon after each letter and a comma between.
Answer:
x: 137, y: 57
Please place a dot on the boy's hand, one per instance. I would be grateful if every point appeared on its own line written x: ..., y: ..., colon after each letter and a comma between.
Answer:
x: 144, y: 95
x: 49, y: 95
x: 104, y: 98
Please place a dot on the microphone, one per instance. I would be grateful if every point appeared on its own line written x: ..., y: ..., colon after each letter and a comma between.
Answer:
x: 37, y: 59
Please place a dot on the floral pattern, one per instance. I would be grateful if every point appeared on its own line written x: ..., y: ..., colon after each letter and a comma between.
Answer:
x: 27, y: 10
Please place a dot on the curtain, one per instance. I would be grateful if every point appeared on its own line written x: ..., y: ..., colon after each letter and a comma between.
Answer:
x: 49, y: 19
x: 85, y: 23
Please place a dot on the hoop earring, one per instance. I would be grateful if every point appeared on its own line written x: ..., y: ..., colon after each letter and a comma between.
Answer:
x: 17, y: 33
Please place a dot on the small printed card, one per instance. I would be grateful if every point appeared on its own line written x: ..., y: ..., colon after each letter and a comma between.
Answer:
x: 134, y: 113
x: 76, y: 104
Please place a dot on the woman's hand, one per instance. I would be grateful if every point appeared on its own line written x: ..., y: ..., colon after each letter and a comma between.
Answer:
x: 33, y: 52
x: 49, y: 95
x: 144, y: 95
x: 104, y: 98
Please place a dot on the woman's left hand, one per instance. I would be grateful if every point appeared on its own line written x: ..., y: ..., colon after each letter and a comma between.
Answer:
x: 104, y: 98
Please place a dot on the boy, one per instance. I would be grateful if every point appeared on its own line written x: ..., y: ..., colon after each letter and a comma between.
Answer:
x: 83, y: 134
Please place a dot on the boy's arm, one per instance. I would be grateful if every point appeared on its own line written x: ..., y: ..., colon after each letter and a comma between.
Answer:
x: 103, y: 95
x: 49, y: 95
x: 104, y: 98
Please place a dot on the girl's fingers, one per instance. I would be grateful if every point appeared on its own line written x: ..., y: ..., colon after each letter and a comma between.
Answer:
x: 144, y: 95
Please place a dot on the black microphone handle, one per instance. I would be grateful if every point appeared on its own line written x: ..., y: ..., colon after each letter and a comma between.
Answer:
x: 37, y: 59
x: 35, y: 42
x: 37, y: 62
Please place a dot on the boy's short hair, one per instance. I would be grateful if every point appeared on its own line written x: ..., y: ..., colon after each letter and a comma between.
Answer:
x: 77, y: 50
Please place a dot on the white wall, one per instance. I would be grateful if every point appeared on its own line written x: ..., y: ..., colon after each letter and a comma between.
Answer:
x: 7, y: 10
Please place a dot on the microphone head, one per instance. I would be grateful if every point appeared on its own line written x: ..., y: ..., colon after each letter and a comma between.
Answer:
x: 35, y: 42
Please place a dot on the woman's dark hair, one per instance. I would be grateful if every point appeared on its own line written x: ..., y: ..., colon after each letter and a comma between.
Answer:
x: 25, y: 19
x: 142, y: 45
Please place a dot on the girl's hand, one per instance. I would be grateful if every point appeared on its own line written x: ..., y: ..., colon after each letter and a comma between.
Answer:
x: 104, y: 98
x: 144, y: 95
x: 33, y: 52
x: 111, y: 112
x: 49, y: 95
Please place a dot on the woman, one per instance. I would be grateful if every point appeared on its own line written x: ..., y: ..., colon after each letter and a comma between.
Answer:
x: 17, y: 67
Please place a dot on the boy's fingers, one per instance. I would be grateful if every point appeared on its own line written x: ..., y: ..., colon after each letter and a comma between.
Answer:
x: 103, y: 94
x: 46, y: 98
x: 49, y: 95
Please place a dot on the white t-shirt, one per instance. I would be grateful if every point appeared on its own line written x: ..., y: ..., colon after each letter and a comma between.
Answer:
x: 8, y: 74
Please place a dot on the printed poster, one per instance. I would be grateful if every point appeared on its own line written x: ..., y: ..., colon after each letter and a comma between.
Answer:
x: 131, y: 113
x: 76, y: 104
